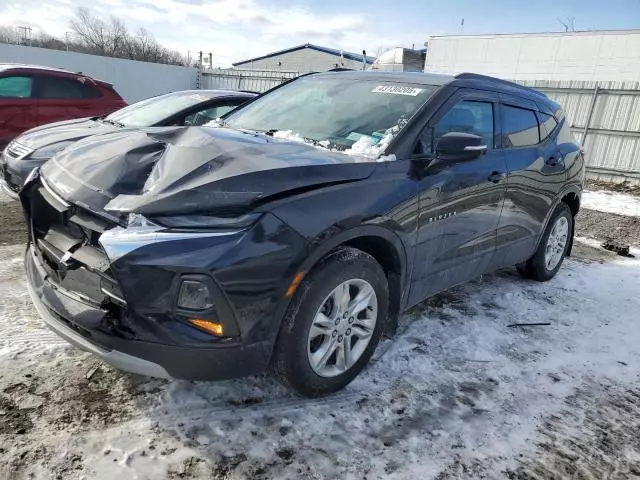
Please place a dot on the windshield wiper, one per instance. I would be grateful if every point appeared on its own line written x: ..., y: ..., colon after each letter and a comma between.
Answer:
x: 113, y: 122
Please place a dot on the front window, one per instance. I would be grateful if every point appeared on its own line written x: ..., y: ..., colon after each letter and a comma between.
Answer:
x: 154, y: 110
x: 334, y: 111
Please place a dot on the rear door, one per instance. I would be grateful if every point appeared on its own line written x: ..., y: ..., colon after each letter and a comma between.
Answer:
x: 18, y: 108
x: 63, y: 97
x: 536, y: 174
x: 460, y: 203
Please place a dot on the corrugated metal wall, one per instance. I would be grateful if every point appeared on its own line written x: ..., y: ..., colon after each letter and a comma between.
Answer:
x: 240, y: 79
x: 609, y: 112
x: 132, y: 79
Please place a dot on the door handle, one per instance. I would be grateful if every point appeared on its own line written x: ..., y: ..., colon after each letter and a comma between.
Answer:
x: 495, y: 177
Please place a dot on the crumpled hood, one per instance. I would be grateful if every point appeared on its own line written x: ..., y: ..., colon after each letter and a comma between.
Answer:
x: 51, y: 133
x: 179, y: 170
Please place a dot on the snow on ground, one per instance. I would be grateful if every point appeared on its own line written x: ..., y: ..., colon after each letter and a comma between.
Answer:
x: 459, y: 393
x: 611, y: 202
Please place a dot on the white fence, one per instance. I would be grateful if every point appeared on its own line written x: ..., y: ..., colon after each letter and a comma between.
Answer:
x: 132, y: 79
x: 239, y: 79
x: 605, y: 119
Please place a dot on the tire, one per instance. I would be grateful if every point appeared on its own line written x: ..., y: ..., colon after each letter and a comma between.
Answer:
x: 537, y: 267
x: 297, y: 347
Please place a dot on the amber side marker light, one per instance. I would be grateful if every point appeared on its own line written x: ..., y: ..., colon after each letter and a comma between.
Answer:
x: 211, y: 327
x: 296, y: 281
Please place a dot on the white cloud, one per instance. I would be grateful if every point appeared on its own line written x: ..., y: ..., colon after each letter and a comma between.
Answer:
x: 232, y: 29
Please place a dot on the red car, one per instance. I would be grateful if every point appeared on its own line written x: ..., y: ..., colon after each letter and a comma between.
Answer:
x: 32, y: 96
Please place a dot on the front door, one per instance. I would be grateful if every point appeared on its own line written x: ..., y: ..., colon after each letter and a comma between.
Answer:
x: 460, y: 203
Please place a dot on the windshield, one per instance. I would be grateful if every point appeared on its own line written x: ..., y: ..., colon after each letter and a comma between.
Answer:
x: 334, y: 111
x: 154, y: 110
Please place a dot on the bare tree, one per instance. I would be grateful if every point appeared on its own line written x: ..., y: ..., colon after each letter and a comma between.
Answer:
x: 8, y: 34
x: 109, y: 39
x: 93, y: 35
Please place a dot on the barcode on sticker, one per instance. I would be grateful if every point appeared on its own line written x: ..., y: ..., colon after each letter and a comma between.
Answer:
x: 397, y: 90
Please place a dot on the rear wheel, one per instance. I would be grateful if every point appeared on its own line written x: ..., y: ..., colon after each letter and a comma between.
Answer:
x: 546, y: 262
x: 333, y: 324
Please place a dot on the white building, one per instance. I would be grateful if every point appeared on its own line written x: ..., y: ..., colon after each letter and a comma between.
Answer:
x: 585, y: 56
x: 306, y: 58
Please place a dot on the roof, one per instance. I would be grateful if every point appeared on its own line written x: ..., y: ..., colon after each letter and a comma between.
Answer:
x: 10, y: 66
x: 21, y: 66
x: 473, y: 80
x: 542, y: 34
x: 418, y: 78
x: 216, y: 93
x: 331, y: 51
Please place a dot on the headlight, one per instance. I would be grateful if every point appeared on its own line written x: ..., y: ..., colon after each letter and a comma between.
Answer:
x: 207, y: 221
x: 45, y: 153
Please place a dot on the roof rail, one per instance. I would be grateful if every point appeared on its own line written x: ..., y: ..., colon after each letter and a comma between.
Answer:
x: 477, y: 76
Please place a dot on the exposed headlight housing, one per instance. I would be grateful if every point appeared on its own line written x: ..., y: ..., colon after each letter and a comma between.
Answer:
x: 207, y: 221
x: 45, y: 153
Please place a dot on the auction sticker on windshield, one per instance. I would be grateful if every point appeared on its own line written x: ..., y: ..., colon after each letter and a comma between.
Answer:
x: 397, y: 90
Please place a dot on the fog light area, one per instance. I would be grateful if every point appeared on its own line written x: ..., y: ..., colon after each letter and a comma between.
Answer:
x: 194, y: 295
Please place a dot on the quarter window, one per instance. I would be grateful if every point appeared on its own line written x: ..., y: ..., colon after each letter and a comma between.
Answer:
x: 15, y: 87
x: 466, y: 117
x: 547, y: 124
x: 520, y: 127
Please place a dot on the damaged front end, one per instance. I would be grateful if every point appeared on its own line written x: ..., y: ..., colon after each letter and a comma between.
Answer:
x: 153, y: 246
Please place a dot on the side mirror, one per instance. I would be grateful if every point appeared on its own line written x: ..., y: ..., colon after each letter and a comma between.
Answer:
x: 459, y: 147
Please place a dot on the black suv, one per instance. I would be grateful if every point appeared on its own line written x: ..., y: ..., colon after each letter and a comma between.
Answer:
x: 294, y: 233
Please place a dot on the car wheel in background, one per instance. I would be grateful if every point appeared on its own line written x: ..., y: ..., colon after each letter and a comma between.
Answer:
x: 333, y: 324
x: 546, y: 262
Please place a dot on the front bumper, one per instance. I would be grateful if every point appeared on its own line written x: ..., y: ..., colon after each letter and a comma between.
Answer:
x: 13, y: 173
x: 68, y: 316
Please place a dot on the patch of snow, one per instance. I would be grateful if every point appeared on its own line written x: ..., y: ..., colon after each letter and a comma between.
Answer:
x: 611, y: 202
x: 366, y: 147
x: 289, y: 135
x: 4, y: 198
x: 456, y: 387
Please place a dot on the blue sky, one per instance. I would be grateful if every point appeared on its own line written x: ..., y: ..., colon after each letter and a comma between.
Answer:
x: 238, y: 29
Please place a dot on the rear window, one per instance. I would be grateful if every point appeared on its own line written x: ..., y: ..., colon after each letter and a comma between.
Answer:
x: 15, y: 87
x: 520, y: 127
x: 157, y: 109
x: 52, y: 87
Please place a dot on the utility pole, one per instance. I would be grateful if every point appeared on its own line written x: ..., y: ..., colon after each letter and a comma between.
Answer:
x: 26, y: 34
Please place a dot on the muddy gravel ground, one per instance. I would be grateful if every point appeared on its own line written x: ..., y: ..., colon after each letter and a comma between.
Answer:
x: 12, y: 226
x: 608, y: 227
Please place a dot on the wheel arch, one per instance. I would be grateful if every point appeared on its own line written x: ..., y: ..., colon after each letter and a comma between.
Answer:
x: 572, y: 197
x: 382, y: 244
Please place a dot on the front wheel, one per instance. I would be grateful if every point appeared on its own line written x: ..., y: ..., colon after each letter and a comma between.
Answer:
x: 545, y: 263
x: 333, y: 324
